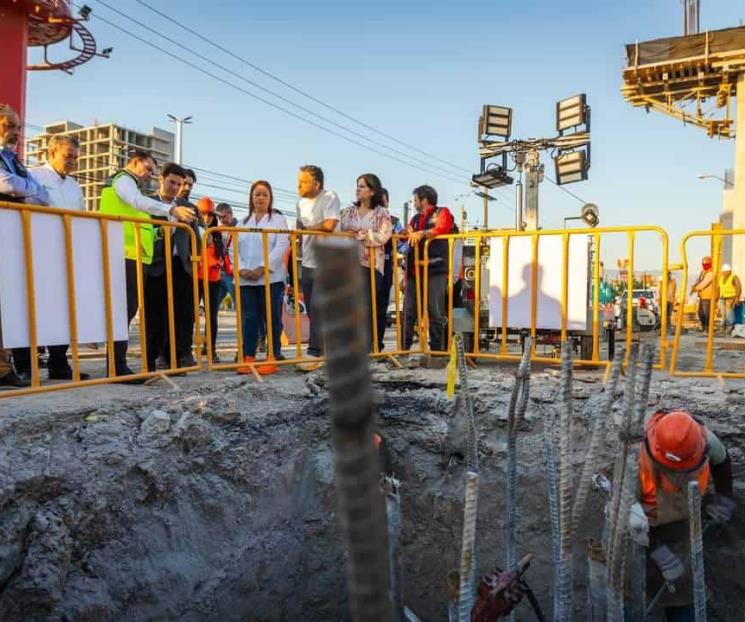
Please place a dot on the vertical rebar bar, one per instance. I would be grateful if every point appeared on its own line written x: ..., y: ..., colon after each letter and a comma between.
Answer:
x: 472, y: 459
x: 361, y: 506
x: 646, y: 361
x: 619, y: 543
x: 565, y: 485
x: 596, y: 579
x: 549, y: 460
x: 390, y: 488
x: 468, y: 549
x: 697, y: 551
x: 638, y: 581
x: 598, y: 427
x: 515, y: 414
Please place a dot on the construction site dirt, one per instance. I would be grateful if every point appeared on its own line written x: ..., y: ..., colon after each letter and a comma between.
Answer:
x: 217, y: 502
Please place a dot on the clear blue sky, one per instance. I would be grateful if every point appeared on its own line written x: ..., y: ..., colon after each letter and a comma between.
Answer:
x: 419, y: 71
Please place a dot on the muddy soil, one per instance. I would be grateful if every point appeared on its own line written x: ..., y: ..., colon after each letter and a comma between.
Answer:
x: 217, y: 502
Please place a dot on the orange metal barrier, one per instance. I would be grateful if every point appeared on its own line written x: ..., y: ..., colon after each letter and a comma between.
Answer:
x: 708, y: 371
x: 67, y: 217
x: 298, y: 357
x: 506, y: 236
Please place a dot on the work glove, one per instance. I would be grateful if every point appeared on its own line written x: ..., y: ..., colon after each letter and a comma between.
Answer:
x: 638, y: 525
x: 668, y: 562
x: 720, y: 508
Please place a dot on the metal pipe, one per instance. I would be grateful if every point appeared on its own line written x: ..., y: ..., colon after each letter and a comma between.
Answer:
x: 468, y: 549
x: 565, y: 485
x: 597, y: 431
x: 361, y: 506
x: 697, y: 551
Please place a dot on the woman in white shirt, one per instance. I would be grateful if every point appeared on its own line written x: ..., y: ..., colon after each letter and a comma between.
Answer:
x: 371, y: 224
x: 251, y: 272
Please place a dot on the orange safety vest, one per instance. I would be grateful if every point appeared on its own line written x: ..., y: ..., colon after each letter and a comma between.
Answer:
x: 663, y: 501
x: 211, y: 261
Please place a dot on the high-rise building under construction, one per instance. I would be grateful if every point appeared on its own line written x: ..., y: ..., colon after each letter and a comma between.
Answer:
x: 103, y: 151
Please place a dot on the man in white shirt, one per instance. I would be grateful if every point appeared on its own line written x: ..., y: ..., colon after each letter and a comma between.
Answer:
x: 317, y: 210
x: 63, y: 192
x: 127, y: 199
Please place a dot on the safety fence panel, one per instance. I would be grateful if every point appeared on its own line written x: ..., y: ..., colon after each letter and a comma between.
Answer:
x: 559, y: 276
x: 297, y: 313
x: 722, y: 357
x: 65, y: 282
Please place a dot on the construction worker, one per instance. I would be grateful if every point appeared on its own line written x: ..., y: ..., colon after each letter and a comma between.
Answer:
x: 677, y: 448
x: 704, y: 287
x: 122, y: 196
x: 729, y: 296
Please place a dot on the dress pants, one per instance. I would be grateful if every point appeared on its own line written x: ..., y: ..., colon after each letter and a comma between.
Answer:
x: 214, y: 290
x: 315, y: 341
x: 133, y: 303
x: 384, y: 299
x: 183, y: 309
x: 435, y: 307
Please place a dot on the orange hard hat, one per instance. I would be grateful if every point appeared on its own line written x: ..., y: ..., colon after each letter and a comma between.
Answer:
x: 676, y: 441
x: 205, y: 205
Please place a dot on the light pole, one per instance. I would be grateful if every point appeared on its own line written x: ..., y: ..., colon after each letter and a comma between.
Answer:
x: 727, y: 184
x: 179, y: 146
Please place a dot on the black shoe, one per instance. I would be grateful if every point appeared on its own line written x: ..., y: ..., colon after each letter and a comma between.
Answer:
x: 65, y: 374
x: 187, y: 361
x: 12, y: 379
x: 126, y: 371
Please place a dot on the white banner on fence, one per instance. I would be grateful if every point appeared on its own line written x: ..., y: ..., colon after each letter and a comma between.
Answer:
x: 50, y: 280
x: 549, y: 277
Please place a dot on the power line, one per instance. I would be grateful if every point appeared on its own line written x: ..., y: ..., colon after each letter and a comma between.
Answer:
x: 444, y: 175
x: 294, y: 88
x: 569, y: 192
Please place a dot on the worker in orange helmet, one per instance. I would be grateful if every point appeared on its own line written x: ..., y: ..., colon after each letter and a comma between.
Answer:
x: 213, y: 256
x: 704, y: 288
x: 677, y: 449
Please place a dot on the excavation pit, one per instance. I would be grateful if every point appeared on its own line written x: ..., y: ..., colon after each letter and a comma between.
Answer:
x: 218, y: 502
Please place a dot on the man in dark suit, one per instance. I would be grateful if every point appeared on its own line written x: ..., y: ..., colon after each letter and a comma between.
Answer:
x: 156, y: 284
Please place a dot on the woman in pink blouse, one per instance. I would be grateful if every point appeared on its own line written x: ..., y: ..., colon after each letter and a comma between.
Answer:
x: 371, y: 224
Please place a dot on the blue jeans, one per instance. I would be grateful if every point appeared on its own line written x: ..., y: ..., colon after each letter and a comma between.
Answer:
x: 253, y: 308
x: 227, y: 286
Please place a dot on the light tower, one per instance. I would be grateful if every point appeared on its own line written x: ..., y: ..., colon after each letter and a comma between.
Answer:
x: 39, y: 23
x: 178, y: 151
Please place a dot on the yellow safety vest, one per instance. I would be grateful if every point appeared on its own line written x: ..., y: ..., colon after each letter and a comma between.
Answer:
x: 111, y: 204
x: 727, y: 286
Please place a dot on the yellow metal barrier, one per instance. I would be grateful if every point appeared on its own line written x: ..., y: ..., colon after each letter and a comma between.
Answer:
x: 298, y: 358
x: 67, y: 217
x: 506, y: 236
x: 715, y: 237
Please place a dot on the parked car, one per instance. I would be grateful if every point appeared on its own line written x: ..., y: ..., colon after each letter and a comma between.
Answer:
x: 645, y: 306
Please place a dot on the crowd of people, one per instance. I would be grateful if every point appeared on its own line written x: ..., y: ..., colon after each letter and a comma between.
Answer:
x: 165, y: 250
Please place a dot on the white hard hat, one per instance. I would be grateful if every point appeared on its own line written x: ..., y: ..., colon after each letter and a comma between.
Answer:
x: 726, y: 267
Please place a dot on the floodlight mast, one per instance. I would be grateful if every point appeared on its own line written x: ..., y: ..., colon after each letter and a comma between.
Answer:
x: 571, y: 146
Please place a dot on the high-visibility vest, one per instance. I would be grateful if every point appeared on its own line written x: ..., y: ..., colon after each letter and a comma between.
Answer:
x: 112, y: 205
x: 662, y: 501
x: 727, y: 286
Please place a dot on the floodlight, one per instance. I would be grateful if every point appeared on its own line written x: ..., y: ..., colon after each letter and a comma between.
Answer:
x: 571, y: 112
x: 496, y: 121
x: 106, y: 52
x: 571, y: 166
x: 590, y: 214
x: 85, y: 11
x: 493, y: 177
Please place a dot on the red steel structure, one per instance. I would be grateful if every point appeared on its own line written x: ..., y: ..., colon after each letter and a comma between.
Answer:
x: 37, y: 23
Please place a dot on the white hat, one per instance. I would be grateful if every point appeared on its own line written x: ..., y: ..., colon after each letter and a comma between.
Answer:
x: 726, y: 267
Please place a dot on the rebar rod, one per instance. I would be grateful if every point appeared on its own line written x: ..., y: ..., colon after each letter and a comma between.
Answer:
x: 638, y: 581
x: 390, y: 488
x: 472, y: 459
x: 549, y: 461
x: 518, y: 406
x: 646, y: 361
x: 468, y: 549
x: 361, y: 507
x: 620, y: 466
x: 697, y: 551
x: 620, y: 537
x: 597, y: 595
x: 565, y: 580
x: 598, y: 428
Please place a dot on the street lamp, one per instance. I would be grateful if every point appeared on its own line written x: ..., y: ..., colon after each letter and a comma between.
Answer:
x: 178, y: 147
x: 727, y: 183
